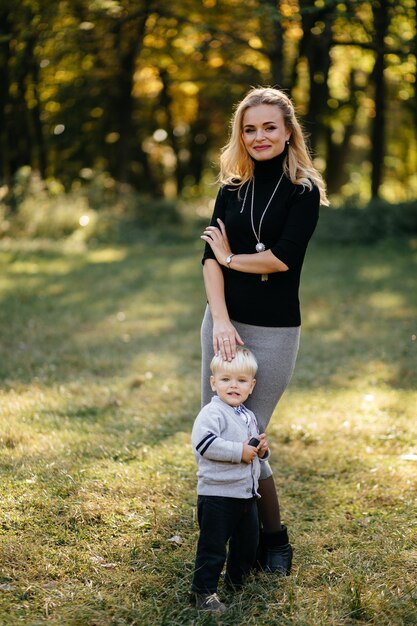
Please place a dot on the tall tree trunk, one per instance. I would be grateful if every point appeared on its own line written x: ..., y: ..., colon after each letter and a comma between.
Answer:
x: 5, y: 166
x: 414, y: 51
x: 166, y: 103
x: 39, y: 156
x: 275, y: 47
x: 316, y: 49
x: 129, y: 46
x: 200, y: 139
x: 381, y: 20
x: 338, y: 154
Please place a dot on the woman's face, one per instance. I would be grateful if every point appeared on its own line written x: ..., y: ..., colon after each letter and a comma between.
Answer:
x: 263, y: 131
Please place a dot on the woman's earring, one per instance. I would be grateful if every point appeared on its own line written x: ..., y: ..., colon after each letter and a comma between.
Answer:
x: 288, y: 142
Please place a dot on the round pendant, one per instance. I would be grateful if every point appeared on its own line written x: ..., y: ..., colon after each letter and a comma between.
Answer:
x: 260, y: 247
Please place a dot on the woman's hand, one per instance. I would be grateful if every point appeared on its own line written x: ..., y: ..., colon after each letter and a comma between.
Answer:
x: 225, y: 338
x: 218, y: 241
x: 225, y: 335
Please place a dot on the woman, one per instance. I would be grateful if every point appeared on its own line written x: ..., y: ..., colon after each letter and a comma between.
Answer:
x: 265, y: 213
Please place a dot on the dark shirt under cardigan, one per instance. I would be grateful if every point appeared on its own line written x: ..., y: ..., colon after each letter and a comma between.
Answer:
x: 286, y: 230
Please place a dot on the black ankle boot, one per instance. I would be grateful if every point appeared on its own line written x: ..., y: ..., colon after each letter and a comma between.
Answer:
x: 278, y: 553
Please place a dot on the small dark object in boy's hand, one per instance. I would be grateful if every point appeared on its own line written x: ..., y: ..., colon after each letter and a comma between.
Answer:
x: 254, y: 442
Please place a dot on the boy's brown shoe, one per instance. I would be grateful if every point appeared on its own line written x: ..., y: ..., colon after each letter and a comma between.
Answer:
x: 209, y: 602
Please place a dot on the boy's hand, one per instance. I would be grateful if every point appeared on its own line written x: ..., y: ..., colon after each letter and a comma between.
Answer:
x: 262, y: 448
x: 249, y: 453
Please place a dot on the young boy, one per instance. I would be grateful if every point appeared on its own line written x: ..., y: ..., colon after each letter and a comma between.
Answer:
x: 228, y: 472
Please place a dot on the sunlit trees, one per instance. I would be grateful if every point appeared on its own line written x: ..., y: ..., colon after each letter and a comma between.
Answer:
x: 143, y: 89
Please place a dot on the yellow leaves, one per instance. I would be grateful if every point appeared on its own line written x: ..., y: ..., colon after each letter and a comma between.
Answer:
x: 215, y: 62
x: 188, y: 88
x: 153, y: 41
x: 318, y: 78
x: 97, y: 112
x: 86, y: 26
x: 147, y: 82
x: 287, y: 9
x: 64, y: 76
x: 318, y: 28
x: 332, y: 103
x: 112, y: 137
x: 404, y: 95
x: 88, y: 62
x: 255, y: 42
x: 52, y: 107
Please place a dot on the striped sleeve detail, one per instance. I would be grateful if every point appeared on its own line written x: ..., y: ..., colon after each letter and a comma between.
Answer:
x: 205, y: 443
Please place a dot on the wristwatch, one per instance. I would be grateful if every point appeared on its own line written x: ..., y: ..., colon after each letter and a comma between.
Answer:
x: 229, y: 260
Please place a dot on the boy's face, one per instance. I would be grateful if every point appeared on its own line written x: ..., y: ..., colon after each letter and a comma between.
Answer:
x: 233, y: 389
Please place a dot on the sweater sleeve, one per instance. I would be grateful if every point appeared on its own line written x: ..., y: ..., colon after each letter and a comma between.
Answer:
x: 207, y: 441
x: 299, y: 227
x: 218, y: 212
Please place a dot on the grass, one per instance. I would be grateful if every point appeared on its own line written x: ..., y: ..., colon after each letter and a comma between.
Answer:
x: 99, y: 386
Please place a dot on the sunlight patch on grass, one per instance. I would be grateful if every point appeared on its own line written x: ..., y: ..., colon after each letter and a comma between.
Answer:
x: 107, y: 255
x: 42, y: 266
x: 375, y: 272
x: 385, y: 301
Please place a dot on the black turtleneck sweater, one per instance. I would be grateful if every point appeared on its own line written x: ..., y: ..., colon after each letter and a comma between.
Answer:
x: 286, y: 230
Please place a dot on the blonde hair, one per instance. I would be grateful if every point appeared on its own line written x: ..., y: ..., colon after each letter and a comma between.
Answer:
x: 236, y: 166
x: 243, y: 363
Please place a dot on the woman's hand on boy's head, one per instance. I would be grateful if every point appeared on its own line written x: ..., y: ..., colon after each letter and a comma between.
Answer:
x: 225, y: 339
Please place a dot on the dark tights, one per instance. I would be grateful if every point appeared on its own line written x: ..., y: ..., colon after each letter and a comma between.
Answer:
x: 268, y: 506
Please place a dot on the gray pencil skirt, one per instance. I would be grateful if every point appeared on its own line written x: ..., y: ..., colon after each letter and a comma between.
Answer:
x: 275, y: 350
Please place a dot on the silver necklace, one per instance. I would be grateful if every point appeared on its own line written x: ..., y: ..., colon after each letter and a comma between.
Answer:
x: 260, y: 247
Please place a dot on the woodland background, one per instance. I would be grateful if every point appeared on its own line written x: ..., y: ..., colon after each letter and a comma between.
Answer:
x: 112, y: 114
x: 123, y: 96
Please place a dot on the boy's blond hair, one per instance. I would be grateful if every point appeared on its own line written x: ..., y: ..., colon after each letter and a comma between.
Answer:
x: 244, y: 362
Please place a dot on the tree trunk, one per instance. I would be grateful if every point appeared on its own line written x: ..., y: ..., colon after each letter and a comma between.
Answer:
x: 38, y: 157
x: 316, y: 49
x: 200, y: 139
x: 381, y: 20
x: 166, y: 103
x: 5, y: 166
x: 129, y: 46
x: 275, y: 49
x: 338, y: 154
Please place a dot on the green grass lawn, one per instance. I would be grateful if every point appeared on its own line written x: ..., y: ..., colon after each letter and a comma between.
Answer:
x: 99, y: 386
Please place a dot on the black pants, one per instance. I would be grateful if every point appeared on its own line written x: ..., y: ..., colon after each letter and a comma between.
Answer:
x: 223, y: 520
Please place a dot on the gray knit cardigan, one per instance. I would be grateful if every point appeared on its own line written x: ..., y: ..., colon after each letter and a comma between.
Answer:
x: 217, y: 437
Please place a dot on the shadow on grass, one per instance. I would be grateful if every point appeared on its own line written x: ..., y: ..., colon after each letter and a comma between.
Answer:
x: 359, y: 317
x: 132, y: 313
x: 90, y: 314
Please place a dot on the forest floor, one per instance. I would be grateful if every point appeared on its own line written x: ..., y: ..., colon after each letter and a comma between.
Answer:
x: 99, y: 386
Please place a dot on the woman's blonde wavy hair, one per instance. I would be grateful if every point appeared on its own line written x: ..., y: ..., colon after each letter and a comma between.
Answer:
x: 236, y: 166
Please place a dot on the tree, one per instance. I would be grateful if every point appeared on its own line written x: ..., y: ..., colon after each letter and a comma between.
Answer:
x: 144, y: 89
